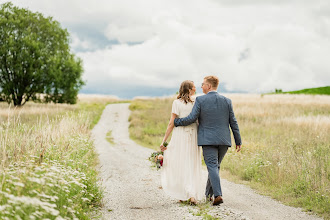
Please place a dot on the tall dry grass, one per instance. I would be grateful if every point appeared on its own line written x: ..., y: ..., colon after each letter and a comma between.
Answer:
x: 148, y: 120
x: 48, y: 163
x: 286, y: 147
x: 285, y: 144
x: 96, y: 98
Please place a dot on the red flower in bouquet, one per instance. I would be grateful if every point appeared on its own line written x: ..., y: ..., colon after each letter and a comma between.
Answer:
x: 157, y: 157
x: 160, y: 158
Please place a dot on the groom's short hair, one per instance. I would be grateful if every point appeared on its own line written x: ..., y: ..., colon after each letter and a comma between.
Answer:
x: 213, y: 80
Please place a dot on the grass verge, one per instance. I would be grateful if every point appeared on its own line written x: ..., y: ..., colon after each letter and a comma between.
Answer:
x: 48, y: 162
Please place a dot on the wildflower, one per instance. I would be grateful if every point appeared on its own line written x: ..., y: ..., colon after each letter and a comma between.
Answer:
x: 19, y: 184
x: 2, y: 208
x: 40, y: 181
x: 32, y: 217
x: 85, y: 200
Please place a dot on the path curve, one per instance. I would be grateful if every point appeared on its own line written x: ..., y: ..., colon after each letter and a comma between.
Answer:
x: 132, y: 186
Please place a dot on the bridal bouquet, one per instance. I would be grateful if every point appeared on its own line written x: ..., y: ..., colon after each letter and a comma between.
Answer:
x: 157, y: 157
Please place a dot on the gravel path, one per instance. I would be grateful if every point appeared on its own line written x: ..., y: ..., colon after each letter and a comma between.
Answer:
x: 132, y: 186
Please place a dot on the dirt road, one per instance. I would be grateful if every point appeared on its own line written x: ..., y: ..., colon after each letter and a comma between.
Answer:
x: 132, y: 186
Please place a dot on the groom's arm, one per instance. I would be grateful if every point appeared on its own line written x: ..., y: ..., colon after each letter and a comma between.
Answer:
x: 191, y: 118
x: 234, y: 125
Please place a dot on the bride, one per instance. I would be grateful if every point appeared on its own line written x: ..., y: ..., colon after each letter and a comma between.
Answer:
x: 181, y: 173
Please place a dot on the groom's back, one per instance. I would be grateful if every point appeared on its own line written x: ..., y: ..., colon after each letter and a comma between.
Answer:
x: 214, y: 120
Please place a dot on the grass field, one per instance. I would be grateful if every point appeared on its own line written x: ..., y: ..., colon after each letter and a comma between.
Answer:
x: 48, y: 162
x: 285, y: 144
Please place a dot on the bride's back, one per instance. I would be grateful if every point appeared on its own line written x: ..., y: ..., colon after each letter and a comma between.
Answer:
x: 183, y: 108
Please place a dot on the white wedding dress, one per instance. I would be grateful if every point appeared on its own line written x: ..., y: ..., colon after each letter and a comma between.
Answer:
x: 181, y: 175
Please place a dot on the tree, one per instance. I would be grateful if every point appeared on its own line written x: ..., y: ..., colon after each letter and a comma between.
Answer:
x: 35, y: 59
x: 278, y: 90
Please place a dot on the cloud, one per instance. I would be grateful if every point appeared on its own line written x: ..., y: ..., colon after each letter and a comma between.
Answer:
x: 128, y: 34
x: 253, y: 46
x: 79, y: 44
x: 245, y: 54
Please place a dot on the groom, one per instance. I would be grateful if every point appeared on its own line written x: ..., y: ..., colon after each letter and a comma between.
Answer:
x: 215, y: 114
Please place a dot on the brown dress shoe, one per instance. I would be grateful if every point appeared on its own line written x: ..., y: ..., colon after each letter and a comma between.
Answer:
x: 218, y: 200
x: 192, y: 201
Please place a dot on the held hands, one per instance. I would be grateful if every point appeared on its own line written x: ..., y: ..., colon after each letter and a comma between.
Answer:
x: 238, y: 148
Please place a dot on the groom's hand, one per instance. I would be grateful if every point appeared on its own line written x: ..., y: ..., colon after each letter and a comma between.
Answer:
x: 238, y: 148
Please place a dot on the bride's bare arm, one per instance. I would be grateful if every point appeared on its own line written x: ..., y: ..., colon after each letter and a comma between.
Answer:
x: 169, y: 129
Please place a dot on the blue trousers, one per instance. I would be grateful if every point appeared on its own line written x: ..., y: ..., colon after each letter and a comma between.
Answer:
x: 213, y: 156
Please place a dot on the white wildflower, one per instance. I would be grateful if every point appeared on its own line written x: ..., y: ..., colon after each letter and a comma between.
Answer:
x: 14, y: 178
x: 85, y: 200
x: 3, y: 207
x: 34, y: 191
x: 30, y: 201
x: 18, y: 217
x: 38, y: 168
x: 32, y: 217
x: 63, y: 181
x: 51, y: 198
x: 40, y: 181
x: 71, y: 210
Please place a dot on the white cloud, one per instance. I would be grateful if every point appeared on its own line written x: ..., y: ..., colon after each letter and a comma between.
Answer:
x: 128, y: 34
x: 285, y: 43
x: 77, y: 43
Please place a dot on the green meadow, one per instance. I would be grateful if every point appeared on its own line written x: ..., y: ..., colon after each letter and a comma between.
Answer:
x: 311, y: 91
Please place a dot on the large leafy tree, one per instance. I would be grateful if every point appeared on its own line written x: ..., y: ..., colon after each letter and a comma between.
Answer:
x: 35, y: 59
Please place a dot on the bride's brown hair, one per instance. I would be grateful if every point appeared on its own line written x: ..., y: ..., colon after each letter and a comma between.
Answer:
x: 184, y: 91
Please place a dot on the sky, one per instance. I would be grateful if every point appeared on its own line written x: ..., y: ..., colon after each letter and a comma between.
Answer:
x: 148, y: 47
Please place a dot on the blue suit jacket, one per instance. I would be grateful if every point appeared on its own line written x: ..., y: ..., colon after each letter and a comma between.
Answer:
x: 215, y: 114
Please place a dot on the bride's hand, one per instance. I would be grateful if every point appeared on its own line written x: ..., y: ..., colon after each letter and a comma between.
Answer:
x: 163, y: 148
